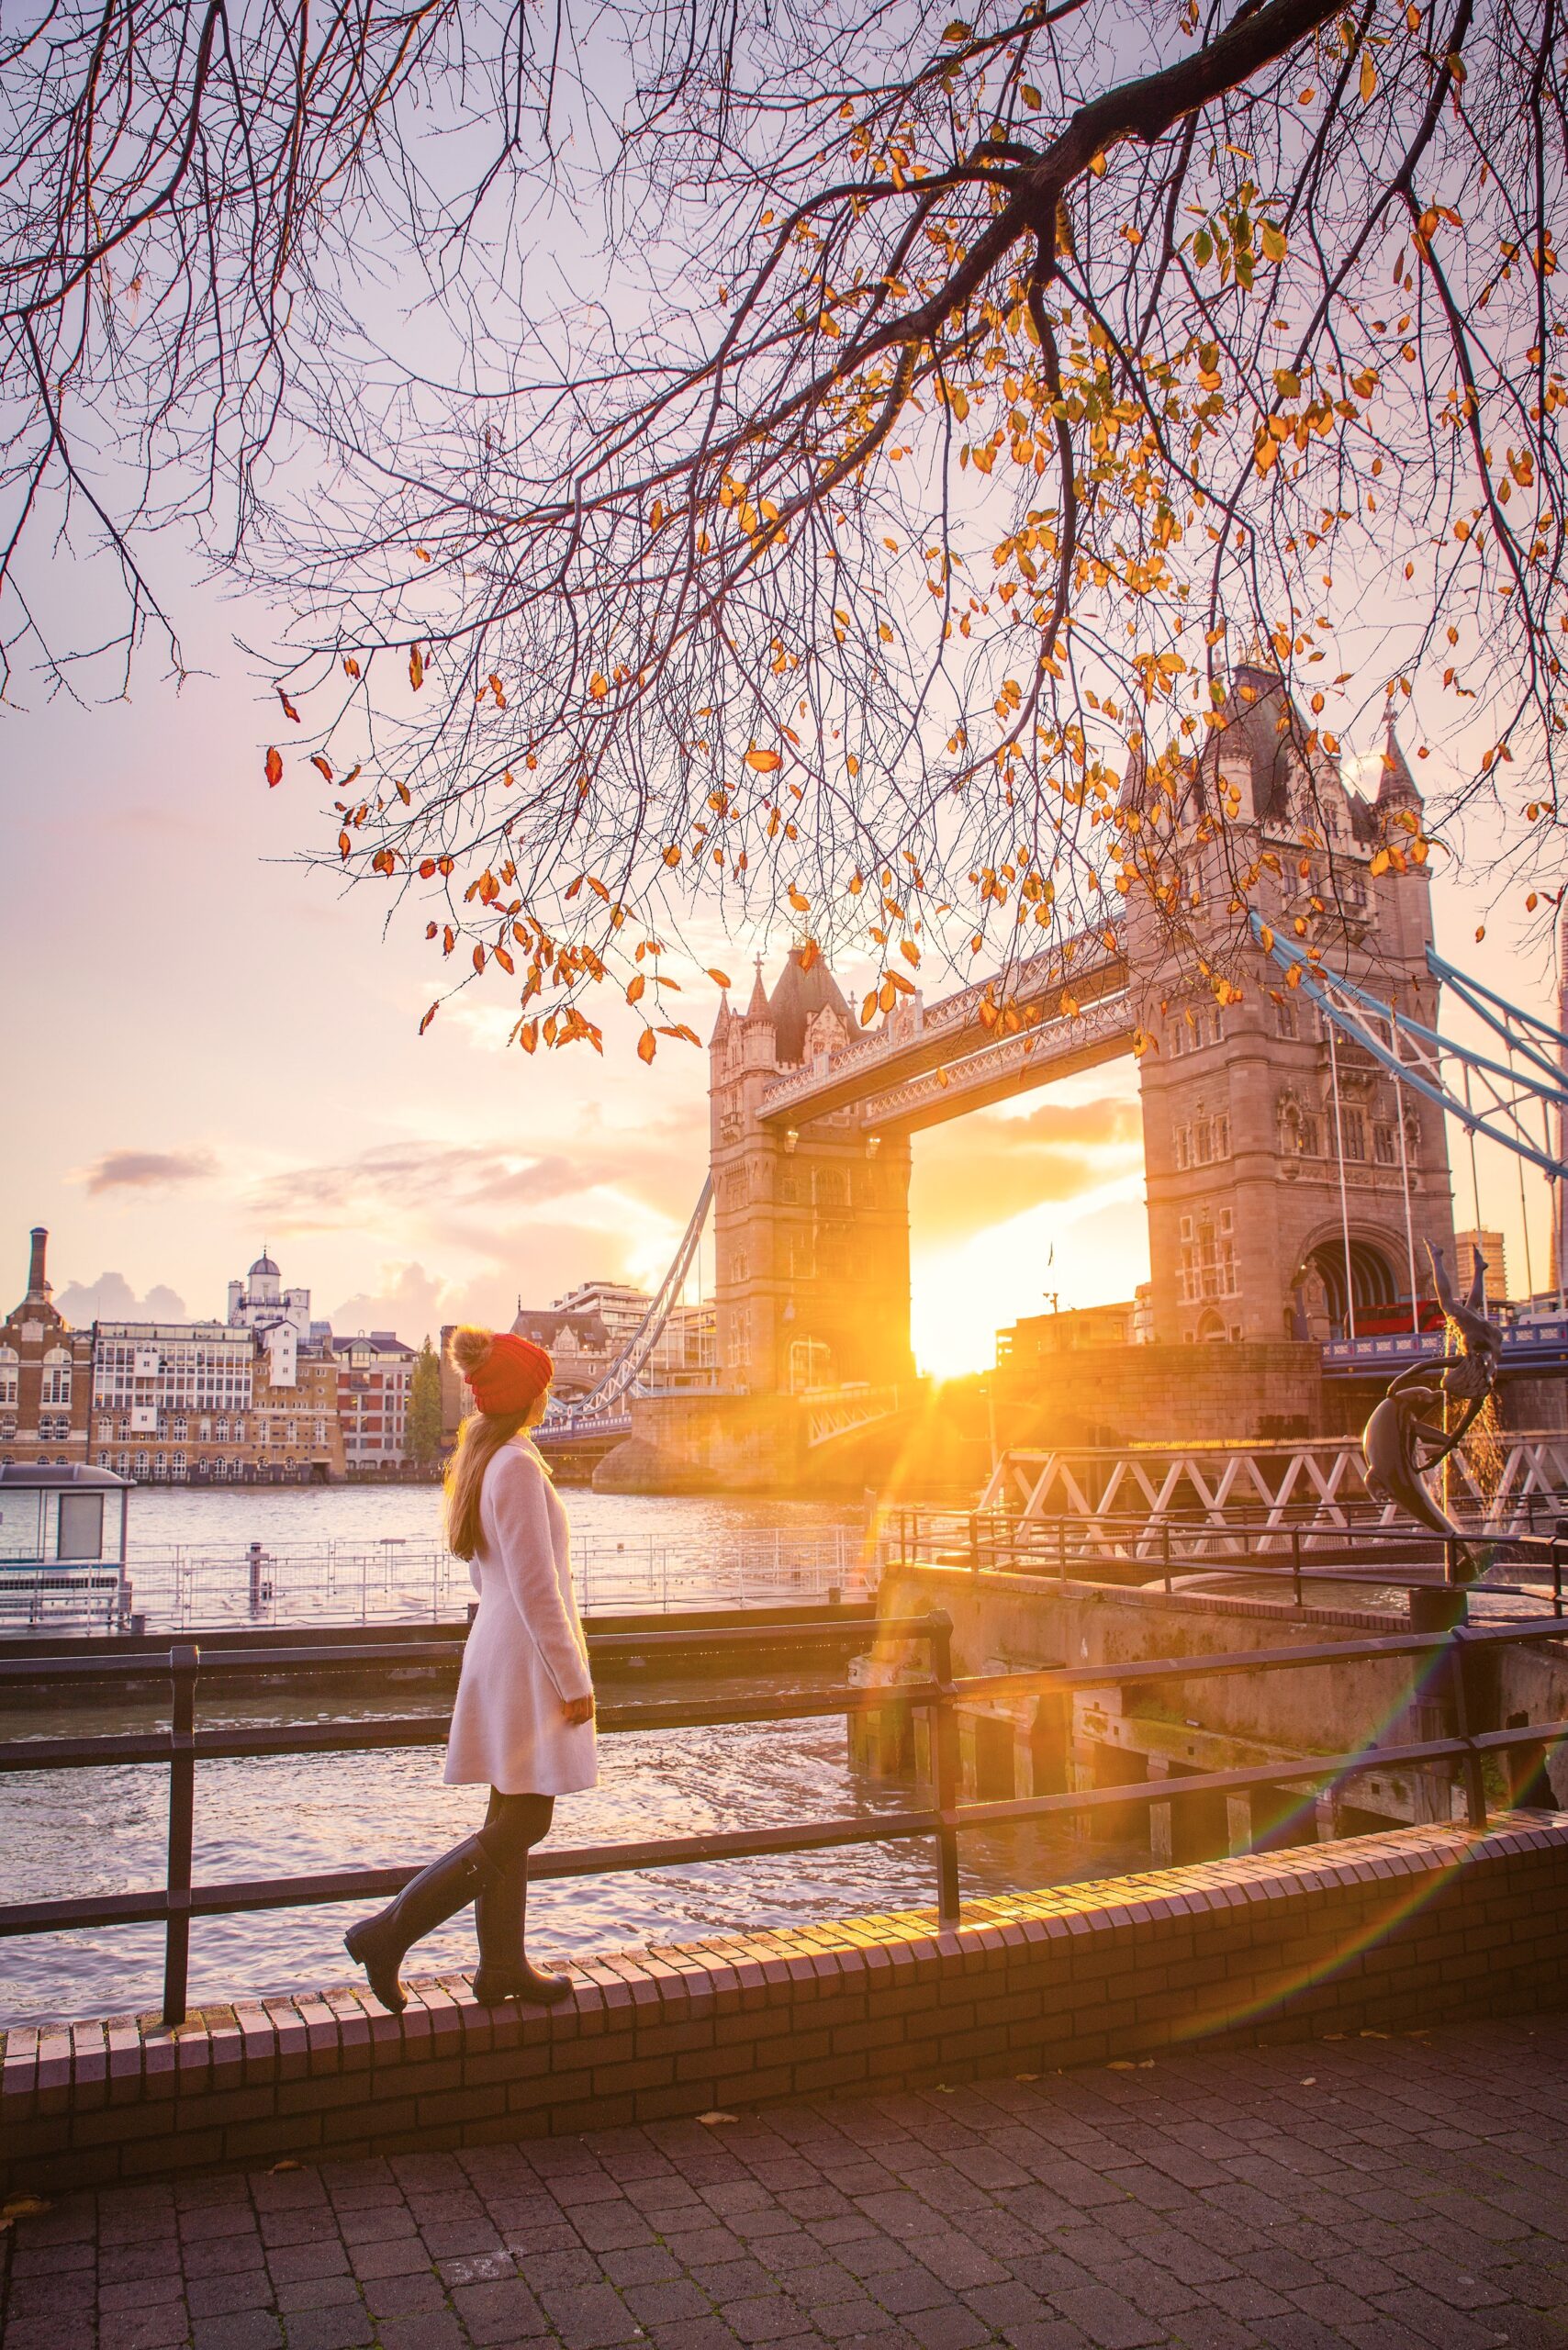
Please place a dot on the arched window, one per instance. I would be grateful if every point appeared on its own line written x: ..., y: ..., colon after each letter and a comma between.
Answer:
x: 10, y: 1368
x: 56, y: 1388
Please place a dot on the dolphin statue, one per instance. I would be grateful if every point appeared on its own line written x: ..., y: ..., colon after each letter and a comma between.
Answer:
x: 1399, y: 1445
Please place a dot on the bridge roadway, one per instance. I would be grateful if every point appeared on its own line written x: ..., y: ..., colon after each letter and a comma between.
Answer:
x: 932, y: 1062
x: 1372, y: 2193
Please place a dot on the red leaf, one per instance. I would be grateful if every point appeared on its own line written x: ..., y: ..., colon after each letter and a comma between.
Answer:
x: 288, y: 708
x: 428, y: 1018
x: 274, y: 768
x: 318, y: 761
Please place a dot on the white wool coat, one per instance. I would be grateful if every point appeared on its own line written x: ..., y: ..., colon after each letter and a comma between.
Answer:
x: 525, y: 1653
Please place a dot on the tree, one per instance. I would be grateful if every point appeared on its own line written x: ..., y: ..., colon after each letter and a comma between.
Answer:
x: 425, y: 1445
x: 961, y: 396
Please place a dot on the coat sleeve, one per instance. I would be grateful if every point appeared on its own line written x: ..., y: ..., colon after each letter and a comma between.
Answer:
x: 517, y: 1497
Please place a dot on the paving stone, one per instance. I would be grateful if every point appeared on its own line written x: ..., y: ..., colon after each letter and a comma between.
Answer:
x: 1413, y: 2201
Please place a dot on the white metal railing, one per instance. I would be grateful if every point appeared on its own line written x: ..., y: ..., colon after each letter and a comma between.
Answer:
x: 203, y: 1587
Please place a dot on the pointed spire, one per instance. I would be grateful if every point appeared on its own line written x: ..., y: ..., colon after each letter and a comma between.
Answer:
x: 1135, y: 783
x: 721, y: 1018
x: 757, y: 1008
x: 1396, y: 783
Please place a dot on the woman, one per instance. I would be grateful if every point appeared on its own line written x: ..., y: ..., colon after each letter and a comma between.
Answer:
x: 522, y: 1723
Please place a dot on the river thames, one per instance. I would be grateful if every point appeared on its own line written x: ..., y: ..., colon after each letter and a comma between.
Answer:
x: 103, y: 1830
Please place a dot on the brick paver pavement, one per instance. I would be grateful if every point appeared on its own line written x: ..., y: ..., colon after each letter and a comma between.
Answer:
x: 1383, y: 2193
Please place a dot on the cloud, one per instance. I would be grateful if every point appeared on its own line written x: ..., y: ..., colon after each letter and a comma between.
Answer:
x: 147, y: 1170
x: 981, y: 1172
x: 111, y: 1299
x: 416, y: 1176
x: 539, y: 1262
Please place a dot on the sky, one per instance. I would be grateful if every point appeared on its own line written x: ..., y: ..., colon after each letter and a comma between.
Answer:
x: 211, y: 1049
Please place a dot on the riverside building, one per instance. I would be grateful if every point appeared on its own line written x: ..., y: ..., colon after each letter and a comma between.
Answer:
x: 46, y: 1374
x: 374, y: 1378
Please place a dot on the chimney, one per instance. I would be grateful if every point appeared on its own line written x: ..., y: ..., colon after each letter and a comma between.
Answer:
x: 38, y: 1287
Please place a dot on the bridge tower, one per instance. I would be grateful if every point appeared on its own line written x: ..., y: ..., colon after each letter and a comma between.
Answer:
x: 1288, y: 1190
x: 811, y: 1229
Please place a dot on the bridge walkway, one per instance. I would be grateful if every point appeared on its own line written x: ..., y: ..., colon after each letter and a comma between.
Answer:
x: 1400, y: 2193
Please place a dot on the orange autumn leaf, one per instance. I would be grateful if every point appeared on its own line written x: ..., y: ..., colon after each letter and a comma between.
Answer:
x: 351, y: 667
x: 504, y: 959
x: 428, y: 1018
x: 322, y: 765
x: 720, y: 979
x: 343, y: 844
x: 647, y: 1046
x: 765, y: 762
x: 288, y: 708
x: 416, y: 668
x: 635, y: 987
x: 274, y: 768
x: 598, y: 686
x: 528, y: 1035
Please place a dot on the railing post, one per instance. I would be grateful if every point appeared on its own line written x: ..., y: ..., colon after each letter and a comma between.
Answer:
x: 974, y: 1544
x: 1061, y: 1548
x: 1165, y: 1551
x: 944, y: 1769
x: 1295, y: 1563
x: 1474, y: 1775
x: 183, y: 1665
x: 1557, y: 1568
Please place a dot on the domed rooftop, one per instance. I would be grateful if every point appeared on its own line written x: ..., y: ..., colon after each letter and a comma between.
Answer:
x: 264, y: 1268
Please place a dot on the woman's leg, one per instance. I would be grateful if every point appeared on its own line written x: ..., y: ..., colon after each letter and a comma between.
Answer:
x: 381, y: 1944
x: 513, y: 1825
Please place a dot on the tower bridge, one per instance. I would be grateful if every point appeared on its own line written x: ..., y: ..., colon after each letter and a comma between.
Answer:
x: 1295, y: 1141
x: 1289, y: 1185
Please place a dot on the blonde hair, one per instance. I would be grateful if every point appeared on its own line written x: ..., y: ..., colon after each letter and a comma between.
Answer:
x: 479, y: 1440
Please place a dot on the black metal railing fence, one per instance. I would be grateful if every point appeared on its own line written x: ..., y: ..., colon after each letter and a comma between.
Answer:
x: 182, y: 1744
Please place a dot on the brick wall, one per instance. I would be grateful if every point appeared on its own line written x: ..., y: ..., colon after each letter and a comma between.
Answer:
x: 1417, y: 1926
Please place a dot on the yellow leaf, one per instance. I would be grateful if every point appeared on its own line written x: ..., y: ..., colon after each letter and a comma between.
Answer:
x: 958, y: 30
x: 416, y: 668
x: 1369, y: 76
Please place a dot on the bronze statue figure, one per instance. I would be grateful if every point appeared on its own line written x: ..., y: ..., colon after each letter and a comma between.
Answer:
x: 1400, y: 1447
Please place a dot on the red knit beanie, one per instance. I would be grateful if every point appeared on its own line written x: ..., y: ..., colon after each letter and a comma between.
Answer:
x: 513, y: 1375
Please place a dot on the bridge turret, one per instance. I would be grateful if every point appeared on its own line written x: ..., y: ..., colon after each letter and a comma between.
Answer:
x: 810, y: 1222
x: 1244, y: 1126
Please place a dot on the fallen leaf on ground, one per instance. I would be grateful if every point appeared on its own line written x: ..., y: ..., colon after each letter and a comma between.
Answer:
x: 22, y: 2207
x: 708, y: 2119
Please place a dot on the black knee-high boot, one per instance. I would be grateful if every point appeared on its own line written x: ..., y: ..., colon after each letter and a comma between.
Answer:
x: 501, y: 1911
x: 379, y: 1944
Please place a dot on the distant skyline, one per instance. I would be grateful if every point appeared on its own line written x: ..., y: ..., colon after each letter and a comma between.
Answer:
x: 209, y: 1047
